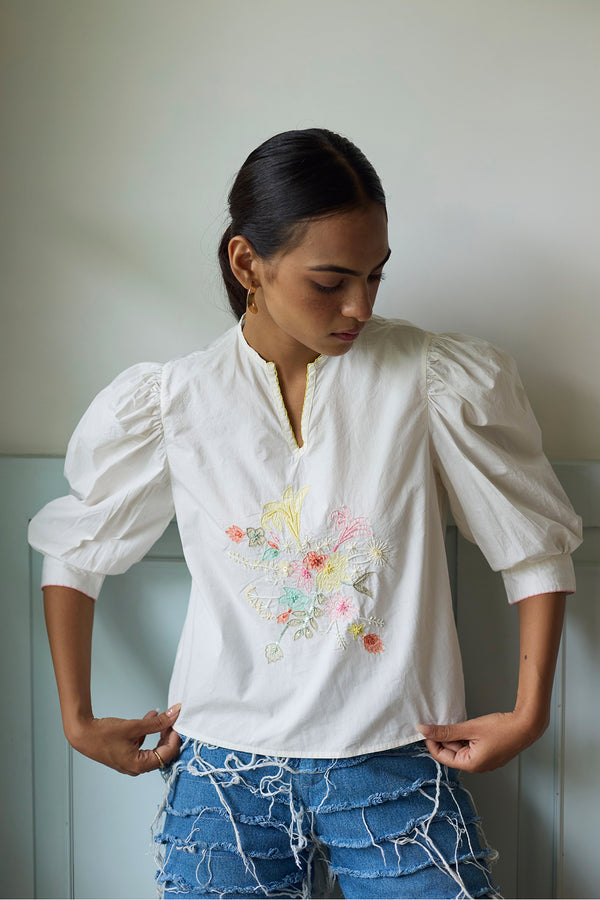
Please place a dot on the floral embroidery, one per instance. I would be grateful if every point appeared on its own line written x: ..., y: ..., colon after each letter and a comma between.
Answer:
x: 373, y: 643
x: 340, y: 607
x: 318, y: 584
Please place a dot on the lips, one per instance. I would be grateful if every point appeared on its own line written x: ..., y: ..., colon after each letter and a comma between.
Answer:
x: 347, y: 335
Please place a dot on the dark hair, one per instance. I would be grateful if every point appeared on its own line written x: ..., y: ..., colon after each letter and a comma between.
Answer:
x: 292, y: 178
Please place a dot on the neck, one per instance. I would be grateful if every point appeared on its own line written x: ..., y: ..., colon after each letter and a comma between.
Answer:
x: 290, y: 357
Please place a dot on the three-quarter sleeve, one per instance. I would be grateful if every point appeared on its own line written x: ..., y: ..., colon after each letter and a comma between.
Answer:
x: 487, y: 448
x: 120, y: 500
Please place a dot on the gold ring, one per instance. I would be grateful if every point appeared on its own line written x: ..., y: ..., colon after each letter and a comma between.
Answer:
x: 161, y: 762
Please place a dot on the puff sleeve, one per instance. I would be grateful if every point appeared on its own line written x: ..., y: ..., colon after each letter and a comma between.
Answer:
x: 487, y: 448
x: 120, y: 500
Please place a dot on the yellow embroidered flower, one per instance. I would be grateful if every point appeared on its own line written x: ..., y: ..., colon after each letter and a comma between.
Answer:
x: 356, y: 630
x: 333, y: 573
x: 285, y: 512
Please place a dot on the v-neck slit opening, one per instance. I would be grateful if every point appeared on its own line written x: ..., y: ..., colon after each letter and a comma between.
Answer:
x: 295, y: 447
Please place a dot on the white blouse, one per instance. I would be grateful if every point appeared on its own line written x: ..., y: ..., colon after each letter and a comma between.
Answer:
x: 320, y: 619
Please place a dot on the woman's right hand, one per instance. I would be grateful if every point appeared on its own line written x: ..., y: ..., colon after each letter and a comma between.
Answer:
x: 117, y: 742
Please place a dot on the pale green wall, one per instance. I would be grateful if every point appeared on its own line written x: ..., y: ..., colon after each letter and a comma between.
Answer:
x: 124, y: 121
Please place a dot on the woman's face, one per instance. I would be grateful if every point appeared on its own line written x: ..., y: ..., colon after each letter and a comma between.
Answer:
x: 316, y: 298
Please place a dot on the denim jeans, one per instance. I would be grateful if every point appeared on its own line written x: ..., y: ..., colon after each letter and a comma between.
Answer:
x: 392, y: 824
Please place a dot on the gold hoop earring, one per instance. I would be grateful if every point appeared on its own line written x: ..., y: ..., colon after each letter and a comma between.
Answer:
x: 251, y: 302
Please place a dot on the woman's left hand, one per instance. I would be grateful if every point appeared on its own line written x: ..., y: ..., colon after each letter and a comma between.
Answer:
x: 482, y: 744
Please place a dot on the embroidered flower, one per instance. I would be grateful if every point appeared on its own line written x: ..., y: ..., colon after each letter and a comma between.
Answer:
x: 273, y: 652
x: 304, y: 578
x: 284, y: 568
x: 256, y: 536
x: 340, y: 607
x: 236, y: 534
x: 284, y: 616
x: 333, y: 573
x: 314, y: 560
x: 378, y: 552
x: 286, y: 511
x: 356, y: 630
x: 349, y: 526
x: 373, y: 643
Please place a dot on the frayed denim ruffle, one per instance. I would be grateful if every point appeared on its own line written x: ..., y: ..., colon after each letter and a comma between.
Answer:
x: 391, y: 824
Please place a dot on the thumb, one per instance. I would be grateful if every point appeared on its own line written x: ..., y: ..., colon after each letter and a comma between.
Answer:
x: 445, y: 734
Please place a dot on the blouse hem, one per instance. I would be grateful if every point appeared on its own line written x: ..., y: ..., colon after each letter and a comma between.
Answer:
x: 311, y: 753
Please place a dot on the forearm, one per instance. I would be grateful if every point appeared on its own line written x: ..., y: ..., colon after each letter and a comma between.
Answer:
x: 540, y: 626
x: 69, y: 620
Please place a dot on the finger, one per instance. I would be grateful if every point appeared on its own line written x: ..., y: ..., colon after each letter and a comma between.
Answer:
x: 149, y: 715
x: 447, y: 734
x: 147, y: 761
x: 169, y: 745
x: 157, y: 722
x: 464, y: 759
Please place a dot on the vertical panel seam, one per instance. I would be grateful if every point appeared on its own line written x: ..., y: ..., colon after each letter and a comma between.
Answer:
x: 32, y: 713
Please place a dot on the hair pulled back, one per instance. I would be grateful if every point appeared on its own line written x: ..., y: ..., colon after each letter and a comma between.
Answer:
x: 291, y: 178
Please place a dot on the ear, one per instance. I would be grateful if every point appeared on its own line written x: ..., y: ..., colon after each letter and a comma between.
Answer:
x: 244, y: 261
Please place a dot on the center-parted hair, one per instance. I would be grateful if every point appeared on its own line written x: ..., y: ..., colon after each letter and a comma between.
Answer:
x: 290, y: 179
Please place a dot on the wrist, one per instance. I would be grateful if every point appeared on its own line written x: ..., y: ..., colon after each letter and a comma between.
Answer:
x: 532, y: 718
x: 75, y: 727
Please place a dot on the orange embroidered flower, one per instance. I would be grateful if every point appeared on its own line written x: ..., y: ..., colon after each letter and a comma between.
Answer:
x: 236, y: 534
x: 373, y: 643
x: 283, y: 617
x: 314, y: 560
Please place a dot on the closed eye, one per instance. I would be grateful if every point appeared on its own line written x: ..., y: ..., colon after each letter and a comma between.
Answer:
x: 326, y: 289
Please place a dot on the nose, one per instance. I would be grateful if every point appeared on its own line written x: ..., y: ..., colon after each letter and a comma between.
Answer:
x: 359, y: 303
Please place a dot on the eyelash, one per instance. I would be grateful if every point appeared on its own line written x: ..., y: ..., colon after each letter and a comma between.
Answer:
x: 331, y: 290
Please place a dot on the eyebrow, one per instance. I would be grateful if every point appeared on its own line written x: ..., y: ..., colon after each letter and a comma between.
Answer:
x: 343, y: 271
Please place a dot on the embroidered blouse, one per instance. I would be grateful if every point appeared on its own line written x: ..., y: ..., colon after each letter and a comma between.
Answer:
x: 320, y: 620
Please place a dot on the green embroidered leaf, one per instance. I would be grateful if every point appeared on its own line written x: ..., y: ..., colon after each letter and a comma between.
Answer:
x: 298, y: 634
x: 318, y: 612
x: 361, y: 586
x: 308, y: 633
x: 313, y: 623
x: 269, y: 554
x: 296, y: 622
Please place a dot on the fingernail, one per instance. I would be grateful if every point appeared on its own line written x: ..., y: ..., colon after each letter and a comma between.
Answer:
x: 174, y: 710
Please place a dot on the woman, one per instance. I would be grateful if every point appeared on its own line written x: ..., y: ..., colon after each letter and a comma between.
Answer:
x: 308, y: 455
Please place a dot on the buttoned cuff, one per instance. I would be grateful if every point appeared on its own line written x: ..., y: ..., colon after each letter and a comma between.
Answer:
x: 543, y: 576
x: 54, y: 571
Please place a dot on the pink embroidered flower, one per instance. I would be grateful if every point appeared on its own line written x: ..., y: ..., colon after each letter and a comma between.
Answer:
x: 373, y: 643
x: 236, y: 534
x: 340, y: 607
x: 283, y: 617
x: 304, y: 579
x: 314, y: 560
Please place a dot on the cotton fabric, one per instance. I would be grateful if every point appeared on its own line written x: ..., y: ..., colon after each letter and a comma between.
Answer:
x: 320, y: 620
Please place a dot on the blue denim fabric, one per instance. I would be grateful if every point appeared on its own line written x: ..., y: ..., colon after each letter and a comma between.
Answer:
x: 393, y: 824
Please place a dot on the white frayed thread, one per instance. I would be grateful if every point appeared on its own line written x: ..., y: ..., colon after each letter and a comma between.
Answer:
x: 421, y: 837
x: 271, y: 786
